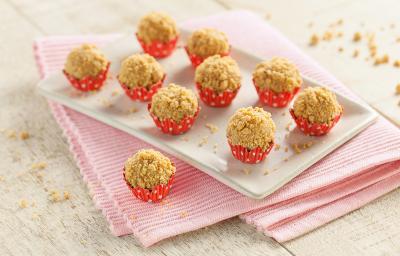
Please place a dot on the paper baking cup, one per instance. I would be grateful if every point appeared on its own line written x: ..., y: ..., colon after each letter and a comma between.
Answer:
x: 155, y: 194
x: 158, y: 49
x: 314, y: 129
x: 273, y: 99
x: 215, y: 99
x: 197, y: 60
x: 88, y: 83
x: 247, y: 156
x: 142, y: 93
x: 169, y: 126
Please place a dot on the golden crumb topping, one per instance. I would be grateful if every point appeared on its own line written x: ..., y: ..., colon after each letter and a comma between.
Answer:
x: 157, y: 26
x: 317, y: 105
x: 218, y: 73
x: 174, y: 102
x: 148, y: 168
x: 86, y: 60
x: 251, y: 127
x: 140, y: 70
x: 207, y: 42
x: 277, y: 74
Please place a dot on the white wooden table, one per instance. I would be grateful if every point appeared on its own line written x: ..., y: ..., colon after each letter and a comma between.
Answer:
x: 75, y: 226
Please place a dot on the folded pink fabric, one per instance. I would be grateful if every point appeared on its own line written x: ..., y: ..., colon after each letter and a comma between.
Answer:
x: 363, y: 169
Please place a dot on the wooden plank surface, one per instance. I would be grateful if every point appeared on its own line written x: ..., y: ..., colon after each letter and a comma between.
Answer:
x: 75, y: 226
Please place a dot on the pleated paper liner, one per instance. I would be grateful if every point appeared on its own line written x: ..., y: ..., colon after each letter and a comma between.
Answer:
x: 156, y: 194
x: 197, y: 60
x: 158, y: 49
x: 273, y: 99
x: 215, y: 99
x: 141, y: 93
x: 169, y: 126
x: 247, y: 156
x: 88, y: 83
x: 314, y: 129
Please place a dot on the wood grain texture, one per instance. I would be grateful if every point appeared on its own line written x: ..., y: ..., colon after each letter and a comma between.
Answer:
x: 75, y: 226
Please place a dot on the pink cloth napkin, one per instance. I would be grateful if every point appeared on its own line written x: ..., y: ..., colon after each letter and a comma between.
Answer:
x: 363, y: 169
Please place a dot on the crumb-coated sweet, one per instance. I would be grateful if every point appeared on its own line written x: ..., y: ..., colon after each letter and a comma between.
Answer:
x: 278, y: 75
x: 140, y: 70
x: 207, y: 42
x: 317, y: 105
x: 218, y: 73
x: 148, y: 168
x: 251, y: 128
x: 174, y: 102
x: 85, y: 60
x: 157, y: 26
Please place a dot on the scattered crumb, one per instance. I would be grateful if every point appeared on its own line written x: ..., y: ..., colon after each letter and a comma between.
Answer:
x: 11, y: 134
x: 277, y: 147
x: 307, y: 144
x: 2, y: 178
x: 67, y: 195
x: 355, y: 53
x: 327, y: 36
x: 296, y: 148
x: 203, y: 141
x: 340, y: 49
x: 266, y: 172
x: 35, y: 216
x: 246, y: 171
x: 381, y: 60
x: 284, y: 113
x: 268, y: 16
x: 24, y: 135
x: 286, y: 149
x: 132, y: 217
x: 183, y: 214
x: 339, y: 34
x: 357, y: 37
x: 23, y: 203
x: 133, y: 109
x: 213, y: 128
x: 286, y: 159
x: 314, y: 40
x: 398, y: 89
x: 55, y: 196
x: 398, y: 40
x: 39, y: 166
x: 105, y: 102
x: 396, y: 63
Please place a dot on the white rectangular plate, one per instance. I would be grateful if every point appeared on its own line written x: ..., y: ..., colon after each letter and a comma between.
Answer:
x: 111, y: 106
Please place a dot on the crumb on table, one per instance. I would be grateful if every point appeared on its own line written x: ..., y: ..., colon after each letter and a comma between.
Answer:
x: 54, y: 196
x: 23, y: 203
x: 398, y: 89
x: 357, y: 37
x: 277, y: 147
x: 314, y: 40
x: 39, y: 166
x: 24, y: 135
x: 381, y: 60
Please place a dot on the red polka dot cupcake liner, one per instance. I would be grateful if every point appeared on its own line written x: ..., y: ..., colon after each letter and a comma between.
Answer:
x: 197, y: 60
x: 88, y: 83
x: 247, y: 156
x: 273, y: 99
x: 158, y: 49
x: 314, y: 129
x: 142, y: 93
x: 172, y: 127
x: 155, y: 194
x: 215, y: 99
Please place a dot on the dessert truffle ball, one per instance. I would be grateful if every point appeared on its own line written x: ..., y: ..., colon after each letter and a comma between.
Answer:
x: 140, y: 70
x: 86, y: 60
x: 148, y: 168
x: 317, y: 105
x: 251, y: 128
x: 207, y: 42
x: 278, y: 75
x: 157, y: 26
x: 174, y: 102
x: 219, y: 74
